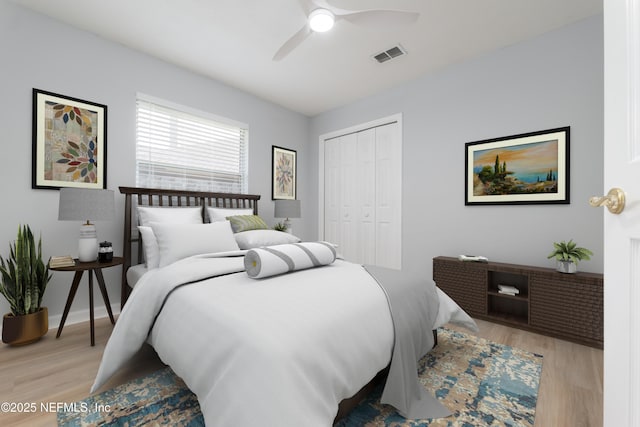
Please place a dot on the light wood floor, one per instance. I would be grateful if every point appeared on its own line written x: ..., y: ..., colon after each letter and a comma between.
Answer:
x: 62, y: 370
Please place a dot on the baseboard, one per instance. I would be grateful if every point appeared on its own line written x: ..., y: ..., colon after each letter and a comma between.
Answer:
x: 79, y: 316
x: 82, y: 316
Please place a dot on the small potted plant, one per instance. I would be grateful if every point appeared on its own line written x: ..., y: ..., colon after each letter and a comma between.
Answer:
x: 280, y: 226
x: 567, y: 255
x: 23, y: 280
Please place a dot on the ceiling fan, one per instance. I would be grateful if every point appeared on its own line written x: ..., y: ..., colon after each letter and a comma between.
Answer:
x: 321, y: 16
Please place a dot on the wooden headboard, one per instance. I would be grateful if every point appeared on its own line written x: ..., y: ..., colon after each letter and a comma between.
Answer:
x: 168, y: 198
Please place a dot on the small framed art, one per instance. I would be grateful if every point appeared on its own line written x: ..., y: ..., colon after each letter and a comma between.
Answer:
x: 284, y: 174
x: 69, y: 142
x: 530, y: 168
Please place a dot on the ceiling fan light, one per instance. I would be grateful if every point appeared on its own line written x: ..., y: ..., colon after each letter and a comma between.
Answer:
x: 321, y: 20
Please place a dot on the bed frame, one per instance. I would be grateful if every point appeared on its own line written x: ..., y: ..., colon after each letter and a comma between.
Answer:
x: 170, y: 198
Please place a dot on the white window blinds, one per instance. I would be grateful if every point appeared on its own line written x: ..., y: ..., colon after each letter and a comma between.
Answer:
x: 177, y: 149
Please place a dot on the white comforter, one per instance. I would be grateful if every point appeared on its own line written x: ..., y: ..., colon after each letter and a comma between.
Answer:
x: 275, y: 352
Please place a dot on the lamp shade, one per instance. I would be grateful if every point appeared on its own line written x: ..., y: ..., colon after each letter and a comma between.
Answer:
x: 287, y: 209
x: 81, y: 204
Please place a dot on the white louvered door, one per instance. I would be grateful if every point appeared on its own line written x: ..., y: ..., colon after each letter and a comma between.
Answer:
x: 361, y: 189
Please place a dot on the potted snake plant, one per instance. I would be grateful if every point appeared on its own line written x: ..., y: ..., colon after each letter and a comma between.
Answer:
x: 567, y: 255
x: 23, y: 280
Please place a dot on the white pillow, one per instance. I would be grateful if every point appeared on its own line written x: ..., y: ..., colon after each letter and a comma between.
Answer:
x: 147, y: 214
x: 150, y: 247
x: 221, y: 214
x: 257, y: 238
x: 177, y: 241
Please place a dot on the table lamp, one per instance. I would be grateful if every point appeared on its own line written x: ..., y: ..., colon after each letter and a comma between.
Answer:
x: 287, y: 209
x: 81, y: 204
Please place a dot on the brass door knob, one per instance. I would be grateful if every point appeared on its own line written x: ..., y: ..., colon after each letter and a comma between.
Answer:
x: 614, y: 201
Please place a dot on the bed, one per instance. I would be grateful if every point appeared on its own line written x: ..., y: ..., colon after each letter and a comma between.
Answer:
x: 297, y: 349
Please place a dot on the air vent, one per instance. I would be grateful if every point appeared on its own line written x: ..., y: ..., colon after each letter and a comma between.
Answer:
x: 389, y: 54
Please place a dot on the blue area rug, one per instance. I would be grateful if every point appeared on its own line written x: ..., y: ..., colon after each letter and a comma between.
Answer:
x: 481, y: 382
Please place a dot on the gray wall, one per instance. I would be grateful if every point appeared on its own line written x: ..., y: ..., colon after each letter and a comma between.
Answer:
x: 39, y: 52
x: 552, y: 81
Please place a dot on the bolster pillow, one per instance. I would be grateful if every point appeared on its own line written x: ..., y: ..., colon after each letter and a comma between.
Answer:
x: 278, y: 259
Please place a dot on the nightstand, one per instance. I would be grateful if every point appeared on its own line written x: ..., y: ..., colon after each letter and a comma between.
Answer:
x: 79, y: 268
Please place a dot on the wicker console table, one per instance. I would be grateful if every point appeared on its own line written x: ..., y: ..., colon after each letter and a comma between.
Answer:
x: 567, y: 306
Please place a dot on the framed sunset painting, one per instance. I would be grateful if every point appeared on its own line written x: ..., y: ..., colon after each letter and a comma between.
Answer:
x: 530, y: 168
x: 283, y: 173
x: 69, y: 142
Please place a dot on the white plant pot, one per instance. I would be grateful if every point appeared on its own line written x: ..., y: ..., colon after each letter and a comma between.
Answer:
x: 566, y: 267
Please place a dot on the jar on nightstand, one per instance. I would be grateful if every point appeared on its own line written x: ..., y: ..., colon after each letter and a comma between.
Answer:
x: 105, y: 254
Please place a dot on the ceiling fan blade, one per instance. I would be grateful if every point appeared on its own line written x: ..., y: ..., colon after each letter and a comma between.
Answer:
x: 380, y: 17
x: 306, y: 5
x: 292, y: 43
x: 324, y: 4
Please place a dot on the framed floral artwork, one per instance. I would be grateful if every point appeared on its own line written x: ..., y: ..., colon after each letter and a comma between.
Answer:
x: 69, y: 142
x: 283, y: 171
x: 530, y: 168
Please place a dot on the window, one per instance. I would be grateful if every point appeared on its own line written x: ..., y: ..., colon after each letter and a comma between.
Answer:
x: 182, y: 149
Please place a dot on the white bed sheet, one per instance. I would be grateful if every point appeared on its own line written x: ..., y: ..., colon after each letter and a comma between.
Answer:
x: 282, y: 351
x: 278, y: 351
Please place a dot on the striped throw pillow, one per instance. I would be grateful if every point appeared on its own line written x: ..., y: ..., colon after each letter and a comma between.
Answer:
x: 279, y: 259
x: 247, y: 222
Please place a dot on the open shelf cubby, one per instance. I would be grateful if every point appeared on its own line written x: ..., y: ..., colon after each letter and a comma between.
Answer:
x: 518, y: 281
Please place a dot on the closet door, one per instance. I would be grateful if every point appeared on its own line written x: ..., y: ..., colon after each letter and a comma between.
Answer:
x: 348, y: 195
x: 341, y: 192
x: 388, y: 196
x: 362, y: 195
x: 332, y: 191
x: 366, y: 197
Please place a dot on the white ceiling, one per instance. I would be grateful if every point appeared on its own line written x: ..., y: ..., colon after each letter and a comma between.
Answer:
x: 233, y: 41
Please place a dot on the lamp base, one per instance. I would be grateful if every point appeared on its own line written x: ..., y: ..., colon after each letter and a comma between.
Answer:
x: 88, y: 243
x: 287, y: 225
